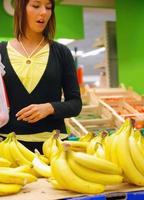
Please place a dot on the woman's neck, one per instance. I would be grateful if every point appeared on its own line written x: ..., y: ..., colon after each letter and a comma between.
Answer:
x: 31, y: 38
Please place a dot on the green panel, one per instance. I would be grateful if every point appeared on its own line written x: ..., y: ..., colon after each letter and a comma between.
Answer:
x: 130, y: 38
x: 69, y: 22
x: 6, y: 23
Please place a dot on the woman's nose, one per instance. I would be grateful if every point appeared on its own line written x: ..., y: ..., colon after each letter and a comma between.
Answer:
x: 43, y: 10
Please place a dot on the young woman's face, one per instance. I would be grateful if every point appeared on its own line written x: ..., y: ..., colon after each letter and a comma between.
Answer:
x: 38, y: 13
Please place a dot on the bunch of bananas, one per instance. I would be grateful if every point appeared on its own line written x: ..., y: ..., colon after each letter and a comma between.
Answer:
x: 129, y: 152
x: 81, y: 172
x: 13, y: 179
x: 89, y: 164
x: 19, y: 165
x: 125, y: 149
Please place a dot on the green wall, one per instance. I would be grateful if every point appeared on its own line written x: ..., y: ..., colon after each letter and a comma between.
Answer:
x: 69, y: 22
x: 130, y: 38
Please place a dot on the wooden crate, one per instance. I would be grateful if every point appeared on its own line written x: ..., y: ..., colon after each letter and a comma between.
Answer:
x: 106, y: 120
x: 123, y: 110
x: 88, y: 96
x: 75, y: 127
x: 116, y: 94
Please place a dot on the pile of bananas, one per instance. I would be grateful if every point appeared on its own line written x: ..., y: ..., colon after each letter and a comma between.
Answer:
x: 19, y: 165
x: 77, y: 170
x: 125, y: 148
x: 93, y: 162
x: 84, y: 166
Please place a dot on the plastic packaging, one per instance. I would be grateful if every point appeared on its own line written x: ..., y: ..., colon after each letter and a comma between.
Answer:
x: 4, y: 108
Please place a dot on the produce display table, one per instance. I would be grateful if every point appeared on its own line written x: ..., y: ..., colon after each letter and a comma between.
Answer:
x: 42, y: 190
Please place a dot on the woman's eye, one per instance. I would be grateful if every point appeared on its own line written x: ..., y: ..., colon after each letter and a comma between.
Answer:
x: 48, y: 8
x: 35, y: 6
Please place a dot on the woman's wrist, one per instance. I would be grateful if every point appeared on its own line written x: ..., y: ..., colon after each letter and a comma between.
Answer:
x: 50, y: 109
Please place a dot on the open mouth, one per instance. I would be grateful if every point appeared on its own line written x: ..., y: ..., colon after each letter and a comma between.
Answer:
x: 40, y: 21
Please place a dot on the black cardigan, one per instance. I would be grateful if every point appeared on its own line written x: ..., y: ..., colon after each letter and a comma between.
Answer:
x: 60, y: 74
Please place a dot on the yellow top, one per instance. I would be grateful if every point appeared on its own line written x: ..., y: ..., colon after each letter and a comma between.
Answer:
x: 29, y: 74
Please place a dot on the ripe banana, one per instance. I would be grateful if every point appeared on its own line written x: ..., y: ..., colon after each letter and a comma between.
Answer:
x: 17, y: 155
x: 87, y: 137
x: 76, y: 145
x: 8, y: 176
x: 55, y: 184
x: 41, y: 168
x: 125, y: 160
x: 100, y: 152
x: 7, y: 189
x: 47, y: 145
x: 113, y: 150
x: 139, y: 139
x: 6, y: 150
x: 108, y: 143
x: 69, y: 180
x: 4, y: 162
x: 136, y: 154
x: 95, y: 163
x: 92, y: 145
x: 93, y: 175
x: 44, y: 159
x: 29, y: 155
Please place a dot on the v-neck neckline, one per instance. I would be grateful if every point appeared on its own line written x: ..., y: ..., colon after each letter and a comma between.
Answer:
x: 15, y: 74
x: 25, y: 56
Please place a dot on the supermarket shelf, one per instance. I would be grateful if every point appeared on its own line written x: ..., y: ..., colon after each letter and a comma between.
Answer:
x: 113, y: 196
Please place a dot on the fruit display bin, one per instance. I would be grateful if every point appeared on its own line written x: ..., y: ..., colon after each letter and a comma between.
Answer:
x: 116, y: 94
x: 87, y: 96
x: 93, y: 118
x: 122, y: 110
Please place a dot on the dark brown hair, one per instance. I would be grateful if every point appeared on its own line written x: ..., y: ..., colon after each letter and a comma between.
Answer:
x: 20, y: 20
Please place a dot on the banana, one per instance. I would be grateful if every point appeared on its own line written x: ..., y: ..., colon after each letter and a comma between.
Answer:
x: 22, y: 168
x: 125, y: 160
x: 41, y: 168
x: 6, y: 150
x: 92, y: 146
x: 7, y: 189
x: 1, y: 148
x: 29, y: 155
x: 100, y: 152
x: 47, y: 145
x: 113, y: 150
x: 4, y: 162
x: 139, y: 139
x: 55, y: 184
x: 44, y: 159
x: 87, y: 137
x: 17, y: 155
x: 95, y: 163
x: 76, y: 145
x: 109, y: 144
x: 69, y: 180
x: 22, y: 178
x: 93, y: 175
x: 136, y: 154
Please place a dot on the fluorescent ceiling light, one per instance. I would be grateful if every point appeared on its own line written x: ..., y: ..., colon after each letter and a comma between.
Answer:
x: 65, y: 41
x: 78, y: 53
x: 94, y: 52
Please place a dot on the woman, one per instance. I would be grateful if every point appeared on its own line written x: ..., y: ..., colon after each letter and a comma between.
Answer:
x: 38, y: 71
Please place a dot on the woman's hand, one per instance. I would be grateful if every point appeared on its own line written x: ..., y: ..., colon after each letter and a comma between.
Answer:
x: 35, y: 112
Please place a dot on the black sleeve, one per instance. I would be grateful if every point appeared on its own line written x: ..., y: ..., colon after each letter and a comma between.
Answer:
x: 72, y: 100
